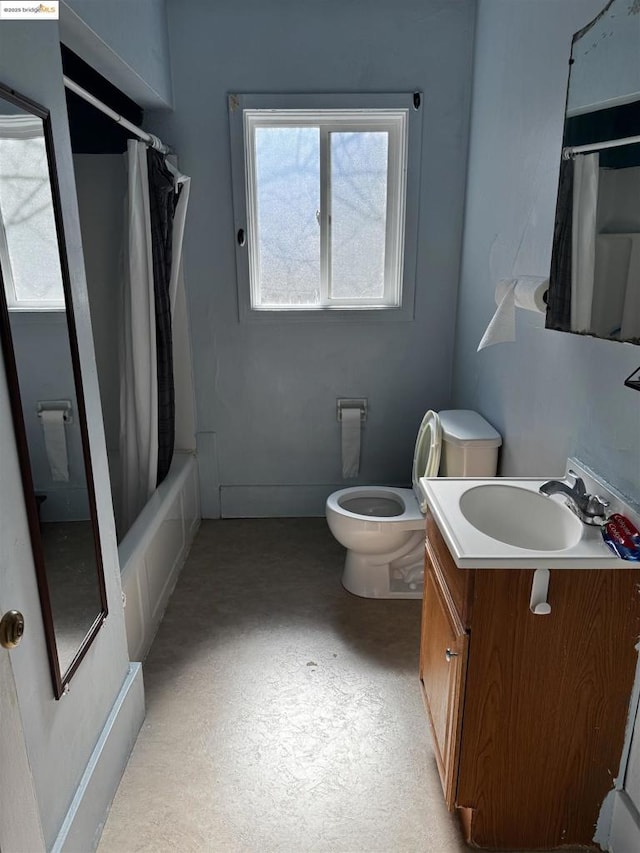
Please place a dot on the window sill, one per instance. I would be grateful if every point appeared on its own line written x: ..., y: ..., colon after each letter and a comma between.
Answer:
x: 272, y: 316
x: 39, y: 316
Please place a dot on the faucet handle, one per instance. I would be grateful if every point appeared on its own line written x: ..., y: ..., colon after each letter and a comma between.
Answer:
x: 596, y: 505
x: 578, y: 483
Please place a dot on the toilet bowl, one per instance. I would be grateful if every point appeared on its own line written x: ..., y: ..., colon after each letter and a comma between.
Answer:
x: 382, y: 527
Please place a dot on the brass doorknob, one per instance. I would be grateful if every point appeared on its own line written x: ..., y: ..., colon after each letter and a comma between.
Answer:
x: 11, y: 629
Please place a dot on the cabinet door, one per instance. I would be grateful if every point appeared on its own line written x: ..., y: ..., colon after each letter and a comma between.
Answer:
x: 443, y: 664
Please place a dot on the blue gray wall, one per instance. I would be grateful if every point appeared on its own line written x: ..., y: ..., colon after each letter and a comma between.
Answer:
x: 550, y: 394
x: 127, y: 42
x: 268, y: 439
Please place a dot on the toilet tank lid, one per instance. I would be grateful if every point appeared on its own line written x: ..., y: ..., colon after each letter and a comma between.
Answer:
x: 462, y: 426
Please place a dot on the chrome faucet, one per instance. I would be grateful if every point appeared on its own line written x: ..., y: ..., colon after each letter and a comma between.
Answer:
x: 590, y: 509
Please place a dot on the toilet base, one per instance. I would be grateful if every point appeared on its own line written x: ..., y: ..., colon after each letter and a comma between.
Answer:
x: 371, y: 576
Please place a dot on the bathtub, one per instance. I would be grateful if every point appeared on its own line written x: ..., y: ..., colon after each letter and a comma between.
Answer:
x: 154, y: 549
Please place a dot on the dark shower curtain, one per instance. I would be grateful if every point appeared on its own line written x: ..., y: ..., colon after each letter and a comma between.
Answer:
x: 559, y: 296
x: 163, y: 198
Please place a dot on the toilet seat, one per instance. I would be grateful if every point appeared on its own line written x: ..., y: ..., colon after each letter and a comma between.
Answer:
x: 426, y: 457
x: 410, y: 513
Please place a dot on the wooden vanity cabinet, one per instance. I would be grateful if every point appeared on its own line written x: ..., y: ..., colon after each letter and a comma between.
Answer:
x: 443, y: 666
x: 528, y: 712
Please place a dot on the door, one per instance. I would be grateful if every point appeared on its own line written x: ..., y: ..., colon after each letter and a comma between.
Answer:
x: 20, y: 827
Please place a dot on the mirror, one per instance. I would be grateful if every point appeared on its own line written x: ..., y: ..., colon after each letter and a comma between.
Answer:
x: 594, y: 284
x: 43, y: 374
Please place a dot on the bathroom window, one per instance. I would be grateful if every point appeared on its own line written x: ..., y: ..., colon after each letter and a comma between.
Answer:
x: 28, y: 238
x: 325, y: 203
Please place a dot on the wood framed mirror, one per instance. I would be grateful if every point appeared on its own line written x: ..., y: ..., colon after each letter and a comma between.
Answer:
x: 42, y: 366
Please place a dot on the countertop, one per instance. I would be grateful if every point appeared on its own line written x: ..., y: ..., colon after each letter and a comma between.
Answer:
x: 472, y: 549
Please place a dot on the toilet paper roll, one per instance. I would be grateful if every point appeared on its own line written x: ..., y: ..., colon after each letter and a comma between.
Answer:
x: 55, y: 443
x: 351, y: 424
x: 526, y: 292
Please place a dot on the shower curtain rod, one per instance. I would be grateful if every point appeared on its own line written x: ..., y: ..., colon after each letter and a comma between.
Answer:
x: 149, y: 138
x: 568, y: 153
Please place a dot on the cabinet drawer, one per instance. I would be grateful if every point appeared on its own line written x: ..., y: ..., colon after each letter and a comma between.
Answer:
x: 458, y: 583
x: 443, y: 665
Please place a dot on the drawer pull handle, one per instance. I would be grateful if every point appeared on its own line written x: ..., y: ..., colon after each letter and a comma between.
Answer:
x: 449, y: 654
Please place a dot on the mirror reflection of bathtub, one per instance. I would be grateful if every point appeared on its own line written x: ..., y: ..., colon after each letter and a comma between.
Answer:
x: 616, y: 287
x: 605, y: 249
x: 595, y: 271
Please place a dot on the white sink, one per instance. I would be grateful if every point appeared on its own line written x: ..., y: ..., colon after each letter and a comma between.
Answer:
x: 505, y: 523
x: 520, y: 517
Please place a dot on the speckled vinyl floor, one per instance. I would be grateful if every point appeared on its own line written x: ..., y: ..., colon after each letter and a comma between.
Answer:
x: 283, y: 713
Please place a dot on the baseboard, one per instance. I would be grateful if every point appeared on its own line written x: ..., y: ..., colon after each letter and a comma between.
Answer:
x: 89, y: 808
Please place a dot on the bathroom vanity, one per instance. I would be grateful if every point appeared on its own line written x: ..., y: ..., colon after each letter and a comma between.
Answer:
x: 528, y: 711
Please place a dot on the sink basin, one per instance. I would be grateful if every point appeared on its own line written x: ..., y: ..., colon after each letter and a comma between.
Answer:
x: 521, y: 517
x: 505, y: 523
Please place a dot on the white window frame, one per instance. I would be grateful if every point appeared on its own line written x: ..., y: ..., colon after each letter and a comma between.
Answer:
x: 397, y: 114
x: 17, y: 126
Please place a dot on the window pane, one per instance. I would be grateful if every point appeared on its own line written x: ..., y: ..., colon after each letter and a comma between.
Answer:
x: 26, y: 209
x: 358, y: 214
x: 288, y: 198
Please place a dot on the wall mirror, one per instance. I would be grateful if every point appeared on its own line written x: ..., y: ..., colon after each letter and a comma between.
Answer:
x: 43, y: 374
x: 595, y: 269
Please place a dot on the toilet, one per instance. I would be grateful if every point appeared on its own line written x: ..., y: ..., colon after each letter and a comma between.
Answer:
x: 382, y: 527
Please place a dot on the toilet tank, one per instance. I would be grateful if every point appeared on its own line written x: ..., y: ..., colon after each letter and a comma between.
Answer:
x: 469, y: 445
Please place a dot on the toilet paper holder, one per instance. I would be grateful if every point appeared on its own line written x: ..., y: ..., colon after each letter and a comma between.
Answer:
x: 352, y: 403
x: 56, y: 406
